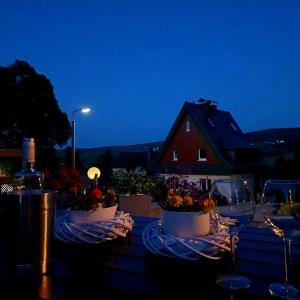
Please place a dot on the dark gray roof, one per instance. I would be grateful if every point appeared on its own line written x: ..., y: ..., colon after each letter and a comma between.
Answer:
x: 225, y: 133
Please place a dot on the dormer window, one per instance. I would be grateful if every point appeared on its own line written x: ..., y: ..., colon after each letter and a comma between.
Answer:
x: 188, y: 126
x: 211, y: 123
x: 233, y: 126
x: 202, y: 155
x: 174, y: 155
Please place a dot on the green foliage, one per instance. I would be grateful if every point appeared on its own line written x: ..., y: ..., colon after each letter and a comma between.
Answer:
x: 136, y: 182
x: 6, y: 168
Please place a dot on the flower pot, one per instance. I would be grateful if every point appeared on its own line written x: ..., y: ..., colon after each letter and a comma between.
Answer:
x: 137, y: 204
x: 99, y: 214
x: 185, y: 223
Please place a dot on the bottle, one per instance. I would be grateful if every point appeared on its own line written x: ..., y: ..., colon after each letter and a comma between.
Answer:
x: 29, y: 178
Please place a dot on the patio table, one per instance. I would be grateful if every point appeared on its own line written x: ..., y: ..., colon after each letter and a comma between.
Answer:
x: 124, y: 269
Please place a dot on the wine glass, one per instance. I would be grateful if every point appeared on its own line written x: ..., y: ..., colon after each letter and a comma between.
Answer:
x: 233, y: 199
x: 281, y: 203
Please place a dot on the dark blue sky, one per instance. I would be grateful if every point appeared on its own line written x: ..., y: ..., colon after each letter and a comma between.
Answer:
x: 135, y: 62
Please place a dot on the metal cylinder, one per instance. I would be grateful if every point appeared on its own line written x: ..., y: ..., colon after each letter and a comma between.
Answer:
x: 27, y: 221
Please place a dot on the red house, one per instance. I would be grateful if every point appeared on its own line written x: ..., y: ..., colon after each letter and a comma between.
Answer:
x: 209, y: 144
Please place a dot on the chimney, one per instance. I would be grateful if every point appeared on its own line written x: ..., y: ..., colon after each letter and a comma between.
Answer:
x: 207, y: 105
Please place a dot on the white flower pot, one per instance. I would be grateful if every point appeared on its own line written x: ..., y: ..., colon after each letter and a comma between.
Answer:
x: 185, y: 223
x: 99, y: 214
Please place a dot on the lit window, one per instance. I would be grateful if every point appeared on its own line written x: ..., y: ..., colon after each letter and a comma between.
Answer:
x: 202, y: 155
x: 188, y: 126
x: 211, y: 123
x: 174, y: 155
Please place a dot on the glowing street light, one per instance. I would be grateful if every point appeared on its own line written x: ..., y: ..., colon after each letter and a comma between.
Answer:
x: 83, y: 110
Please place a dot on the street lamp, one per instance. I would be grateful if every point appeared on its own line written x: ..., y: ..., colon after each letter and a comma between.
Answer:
x: 83, y: 110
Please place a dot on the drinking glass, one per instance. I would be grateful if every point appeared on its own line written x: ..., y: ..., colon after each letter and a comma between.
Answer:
x: 233, y: 199
x: 281, y: 203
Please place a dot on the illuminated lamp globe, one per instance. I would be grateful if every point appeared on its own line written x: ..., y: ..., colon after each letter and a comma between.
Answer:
x: 93, y: 173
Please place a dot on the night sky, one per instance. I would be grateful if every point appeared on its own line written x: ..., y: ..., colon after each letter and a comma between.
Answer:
x: 135, y: 62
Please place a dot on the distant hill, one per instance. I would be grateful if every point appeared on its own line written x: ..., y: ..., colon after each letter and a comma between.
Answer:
x: 290, y: 136
x: 276, y: 142
x: 272, y: 142
x: 286, y: 138
x: 90, y: 155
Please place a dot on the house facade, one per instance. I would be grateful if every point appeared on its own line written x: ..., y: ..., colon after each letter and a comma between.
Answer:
x: 207, y: 143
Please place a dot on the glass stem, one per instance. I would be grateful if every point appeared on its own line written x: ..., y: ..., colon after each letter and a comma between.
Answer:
x: 232, y: 250
x: 287, y: 257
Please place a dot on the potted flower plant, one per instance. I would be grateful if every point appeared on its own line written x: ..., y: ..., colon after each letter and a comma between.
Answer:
x: 94, y: 204
x: 137, y: 191
x: 185, y: 207
x: 86, y: 202
x: 65, y: 181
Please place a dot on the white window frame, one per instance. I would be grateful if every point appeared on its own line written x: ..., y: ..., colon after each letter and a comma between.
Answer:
x: 199, y: 155
x: 187, y: 126
x: 174, y: 155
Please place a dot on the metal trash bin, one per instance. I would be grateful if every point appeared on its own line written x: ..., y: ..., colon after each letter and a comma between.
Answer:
x: 27, y: 230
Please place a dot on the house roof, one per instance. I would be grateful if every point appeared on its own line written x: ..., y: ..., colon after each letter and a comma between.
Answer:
x: 218, y: 127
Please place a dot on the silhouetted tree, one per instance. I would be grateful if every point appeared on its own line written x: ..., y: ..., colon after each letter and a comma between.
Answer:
x: 105, y: 163
x: 29, y: 109
x: 280, y: 169
x: 294, y: 165
x: 79, y: 165
x: 47, y: 159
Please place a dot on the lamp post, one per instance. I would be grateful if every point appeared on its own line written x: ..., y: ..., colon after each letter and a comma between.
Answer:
x: 83, y: 110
